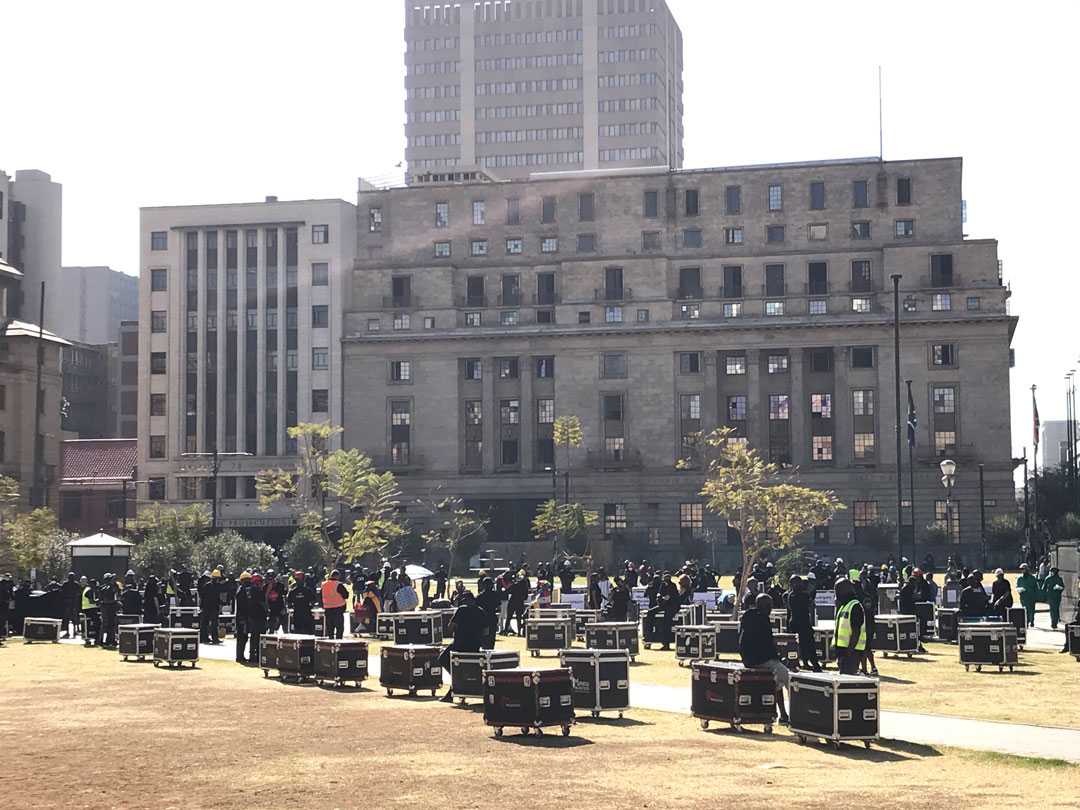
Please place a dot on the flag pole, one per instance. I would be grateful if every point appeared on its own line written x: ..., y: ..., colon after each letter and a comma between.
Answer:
x: 899, y: 455
x: 1035, y: 462
x: 911, y: 469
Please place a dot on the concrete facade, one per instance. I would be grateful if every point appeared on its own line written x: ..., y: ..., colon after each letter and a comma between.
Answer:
x: 96, y: 300
x: 239, y: 337
x: 33, y: 203
x: 517, y: 86
x: 656, y: 304
x: 124, y: 371
x: 89, y: 412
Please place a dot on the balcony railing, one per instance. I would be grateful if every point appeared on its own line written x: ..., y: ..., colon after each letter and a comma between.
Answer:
x: 472, y: 301
x: 614, y: 294
x: 689, y: 293
x: 406, y: 301
x: 606, y: 461
x: 732, y: 291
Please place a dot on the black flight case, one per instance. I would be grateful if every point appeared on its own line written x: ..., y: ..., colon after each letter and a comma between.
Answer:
x: 268, y: 653
x: 824, y: 644
x: 601, y: 679
x: 1018, y: 619
x: 990, y: 644
x: 549, y: 634
x: 834, y: 707
x: 410, y: 667
x: 787, y: 647
x: 467, y: 670
x: 727, y: 637
x: 338, y: 660
x: 296, y: 656
x: 728, y: 692
x: 695, y: 642
x: 946, y: 623
x: 896, y: 633
x: 613, y: 636
x: 176, y: 646
x: 422, y: 627
x: 528, y: 699
x: 41, y: 629
x: 136, y: 640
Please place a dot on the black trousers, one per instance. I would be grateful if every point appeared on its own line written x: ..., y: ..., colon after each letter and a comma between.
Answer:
x: 275, y: 622
x: 335, y: 622
x: 848, y: 661
x: 208, y: 627
x: 3, y: 621
x: 807, y: 648
x: 515, y: 610
x: 71, y: 614
x: 108, y: 624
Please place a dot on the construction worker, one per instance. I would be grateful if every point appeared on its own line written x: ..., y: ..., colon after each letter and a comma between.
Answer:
x: 1053, y: 587
x: 90, y: 609
x: 1028, y: 588
x: 71, y: 592
x: 335, y: 596
x: 7, y: 597
x: 276, y: 593
x: 850, y: 638
x: 301, y: 600
x: 210, y: 607
x: 109, y: 603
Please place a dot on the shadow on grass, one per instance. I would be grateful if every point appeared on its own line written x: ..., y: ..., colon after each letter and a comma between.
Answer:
x: 891, y: 679
x: 615, y: 722
x: 880, y: 750
x: 552, y: 739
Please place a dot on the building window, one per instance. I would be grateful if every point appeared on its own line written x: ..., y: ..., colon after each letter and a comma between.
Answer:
x: 400, y: 370
x: 905, y: 228
x: 735, y: 364
x: 507, y: 368
x: 862, y: 357
x: 732, y: 200
x: 821, y: 360
x: 320, y: 234
x: 474, y: 319
x: 864, y: 445
x: 974, y: 303
x: 320, y: 358
x: 822, y: 448
x: 862, y: 305
x: 157, y: 447
x: 508, y: 317
x: 774, y: 233
x: 442, y: 250
x: 692, y: 237
x: 864, y: 513
x: 736, y: 409
x: 549, y: 244
x: 586, y: 206
x: 158, y: 321
x: 692, y: 203
x: 159, y: 279
x: 945, y: 513
x: 479, y: 212
x: 613, y: 315
x: 773, y: 308
x: 776, y: 197
x: 817, y: 195
x: 156, y: 487
x: 690, y: 312
x: 733, y: 236
x: 320, y: 274
x: 691, y: 516
x: 478, y: 247
x: 944, y: 399
x: 821, y: 406
x: 586, y: 243
x: 159, y: 240
x: 733, y: 309
x: 818, y: 306
x: 941, y: 302
x: 778, y: 363
x: 911, y: 304
x: 903, y: 191
x: 860, y: 194
x: 513, y: 211
x: 320, y: 400
x: 944, y: 442
x: 817, y: 232
x: 547, y: 210
x: 545, y: 368
x: 400, y: 431
x: 613, y: 365
x: 779, y: 407
x: 515, y: 246
x: 374, y: 324
x: 320, y: 316
x: 472, y: 369
x: 691, y: 406
x: 509, y: 412
x: 442, y: 215
x: 651, y: 204
x: 614, y: 517
x: 941, y: 270
x: 157, y: 363
x: 584, y: 316
x: 402, y: 321
x: 650, y: 241
x: 374, y: 220
x: 429, y: 321
x: 943, y: 354
x: 689, y: 362
x: 643, y: 316
x: 860, y: 230
x: 862, y: 402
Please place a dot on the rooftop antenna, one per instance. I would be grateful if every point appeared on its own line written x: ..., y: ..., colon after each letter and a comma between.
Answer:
x: 880, y: 118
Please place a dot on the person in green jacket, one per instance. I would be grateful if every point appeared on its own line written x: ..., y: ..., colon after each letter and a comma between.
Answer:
x: 1053, y: 587
x: 1028, y: 588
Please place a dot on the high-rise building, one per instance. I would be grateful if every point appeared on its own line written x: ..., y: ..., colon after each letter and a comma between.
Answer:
x: 240, y: 319
x: 520, y: 86
x: 658, y: 304
x: 32, y: 203
x: 95, y: 301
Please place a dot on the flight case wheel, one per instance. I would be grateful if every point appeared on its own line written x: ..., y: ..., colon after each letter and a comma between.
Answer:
x: 595, y: 715
x: 498, y: 731
x: 867, y: 744
x: 801, y: 738
x: 525, y: 731
x: 768, y: 729
x: 978, y: 667
x: 566, y: 730
x: 389, y: 692
x: 704, y: 725
x: 620, y: 715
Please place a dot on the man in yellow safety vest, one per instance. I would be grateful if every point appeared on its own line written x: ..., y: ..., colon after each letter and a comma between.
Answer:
x: 850, y: 639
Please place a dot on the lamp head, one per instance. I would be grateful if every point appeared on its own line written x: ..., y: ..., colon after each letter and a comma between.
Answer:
x: 948, y: 468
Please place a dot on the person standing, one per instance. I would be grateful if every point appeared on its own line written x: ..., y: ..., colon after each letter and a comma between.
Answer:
x: 300, y: 601
x: 89, y: 604
x: 517, y: 594
x: 974, y: 603
x: 256, y: 617
x: 618, y: 604
x: 71, y: 592
x: 850, y: 638
x: 800, y: 621
x: 242, y: 613
x: 405, y: 597
x: 757, y: 647
x: 1001, y: 598
x: 108, y: 602
x: 276, y: 594
x: 470, y: 627
x: 1028, y: 588
x: 209, y: 607
x: 7, y: 597
x: 130, y: 598
x: 1053, y: 587
x: 440, y: 582
x: 488, y: 601
x: 335, y: 596
x: 667, y: 608
x: 152, y: 601
x: 866, y: 591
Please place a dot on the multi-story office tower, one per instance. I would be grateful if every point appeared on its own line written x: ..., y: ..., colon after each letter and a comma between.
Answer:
x: 95, y: 301
x: 240, y: 313
x: 663, y: 303
x: 30, y: 213
x: 126, y: 381
x: 520, y: 86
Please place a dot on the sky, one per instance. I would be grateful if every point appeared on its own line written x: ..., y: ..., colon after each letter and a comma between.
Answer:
x: 170, y: 103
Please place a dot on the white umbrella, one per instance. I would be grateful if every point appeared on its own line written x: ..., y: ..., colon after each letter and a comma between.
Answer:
x: 418, y: 572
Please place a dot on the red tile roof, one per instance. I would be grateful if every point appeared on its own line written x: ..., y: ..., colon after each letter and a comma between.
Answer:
x: 96, y: 459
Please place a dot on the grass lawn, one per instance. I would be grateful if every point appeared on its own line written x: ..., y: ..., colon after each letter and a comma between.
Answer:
x: 79, y: 728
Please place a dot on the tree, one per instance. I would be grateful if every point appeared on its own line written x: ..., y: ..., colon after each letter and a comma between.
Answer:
x: 568, y: 435
x: 767, y: 506
x: 10, y: 495
x: 304, y: 487
x: 1005, y: 533
x: 231, y: 550
x: 459, y: 526
x: 373, y: 497
x: 163, y: 551
x: 570, y: 521
x: 157, y: 518
x: 305, y: 550
x: 30, y: 534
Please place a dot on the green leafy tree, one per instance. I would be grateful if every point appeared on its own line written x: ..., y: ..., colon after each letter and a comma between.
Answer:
x: 1005, y: 533
x: 767, y: 505
x: 305, y: 550
x: 569, y: 521
x: 568, y: 435
x: 31, y: 534
x: 231, y: 550
x: 372, y: 497
x: 458, y: 527
x: 157, y: 518
x: 163, y: 551
x: 304, y: 486
x: 10, y: 496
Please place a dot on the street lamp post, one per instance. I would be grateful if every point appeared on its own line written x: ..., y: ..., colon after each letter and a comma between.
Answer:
x: 215, y: 467
x: 948, y: 478
x: 555, y: 500
x: 982, y: 516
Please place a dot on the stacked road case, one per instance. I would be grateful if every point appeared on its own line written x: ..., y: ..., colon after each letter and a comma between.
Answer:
x: 410, y: 667
x: 549, y: 634
x: 834, y: 707
x: 268, y: 653
x: 384, y: 625
x: 695, y: 642
x: 87, y: 630
x: 422, y: 627
x: 824, y: 644
x: 467, y: 670
x: 127, y: 618
x: 887, y: 593
x: 176, y: 646
x: 582, y: 619
x: 924, y: 614
x: 779, y: 620
x: 1018, y: 619
x: 947, y: 622
x: 988, y: 644
x: 41, y: 629
x: 896, y: 633
x: 728, y: 692
x: 528, y: 699
x: 727, y: 637
x: 613, y: 636
x: 186, y: 617
x: 295, y: 656
x: 787, y: 647
x: 226, y: 625
x: 692, y: 614
x: 601, y: 679
x: 136, y: 640
x: 338, y: 660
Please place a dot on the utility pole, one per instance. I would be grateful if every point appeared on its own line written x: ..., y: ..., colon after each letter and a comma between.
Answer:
x: 36, y: 491
x: 1027, y: 513
x: 982, y: 516
x: 899, y: 458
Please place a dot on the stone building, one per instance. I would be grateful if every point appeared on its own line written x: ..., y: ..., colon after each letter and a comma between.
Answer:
x: 517, y: 86
x: 656, y: 304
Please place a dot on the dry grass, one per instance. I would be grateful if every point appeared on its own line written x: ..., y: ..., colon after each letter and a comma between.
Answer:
x: 79, y: 728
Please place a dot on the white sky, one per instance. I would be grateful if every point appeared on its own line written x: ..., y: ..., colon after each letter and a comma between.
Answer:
x: 150, y: 103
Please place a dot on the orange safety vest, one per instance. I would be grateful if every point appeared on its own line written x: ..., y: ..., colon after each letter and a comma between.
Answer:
x: 330, y: 596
